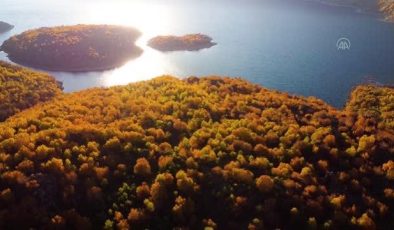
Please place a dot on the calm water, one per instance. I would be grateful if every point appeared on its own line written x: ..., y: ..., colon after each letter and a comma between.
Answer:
x: 286, y: 45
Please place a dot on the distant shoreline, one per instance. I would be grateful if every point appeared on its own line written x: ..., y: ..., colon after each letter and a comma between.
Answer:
x: 358, y: 9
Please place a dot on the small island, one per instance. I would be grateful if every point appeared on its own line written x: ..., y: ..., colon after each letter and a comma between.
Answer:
x: 77, y: 48
x: 189, y: 42
x: 4, y: 27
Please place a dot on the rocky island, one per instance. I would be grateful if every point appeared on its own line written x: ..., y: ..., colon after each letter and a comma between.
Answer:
x: 74, y: 48
x: 189, y: 42
x: 4, y: 27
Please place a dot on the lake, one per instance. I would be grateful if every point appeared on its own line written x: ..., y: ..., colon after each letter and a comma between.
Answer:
x: 287, y: 45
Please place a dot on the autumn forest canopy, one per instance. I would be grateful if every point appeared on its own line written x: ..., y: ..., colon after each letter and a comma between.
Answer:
x: 212, y: 152
x: 21, y: 88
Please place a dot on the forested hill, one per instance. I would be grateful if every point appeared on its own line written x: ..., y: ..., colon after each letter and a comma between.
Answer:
x: 375, y: 102
x: 213, y: 153
x: 21, y: 88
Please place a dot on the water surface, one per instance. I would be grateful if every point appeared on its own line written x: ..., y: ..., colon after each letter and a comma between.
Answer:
x: 287, y: 45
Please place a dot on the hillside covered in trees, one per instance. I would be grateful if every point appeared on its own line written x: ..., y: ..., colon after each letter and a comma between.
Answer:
x: 374, y: 102
x: 21, y: 88
x: 74, y: 48
x: 213, y: 153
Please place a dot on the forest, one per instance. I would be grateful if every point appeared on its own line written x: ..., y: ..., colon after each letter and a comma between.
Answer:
x: 21, y: 88
x: 199, y: 153
x: 74, y: 48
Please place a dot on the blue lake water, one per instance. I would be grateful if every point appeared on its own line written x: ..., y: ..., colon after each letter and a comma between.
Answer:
x: 287, y: 45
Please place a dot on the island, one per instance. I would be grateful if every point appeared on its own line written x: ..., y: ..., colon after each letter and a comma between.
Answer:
x: 189, y: 42
x: 199, y: 153
x: 4, y: 27
x: 77, y: 48
x: 21, y: 88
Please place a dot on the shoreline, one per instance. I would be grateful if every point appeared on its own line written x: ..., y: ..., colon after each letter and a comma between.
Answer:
x: 76, y: 70
x: 340, y: 107
x: 376, y: 13
x: 188, y: 42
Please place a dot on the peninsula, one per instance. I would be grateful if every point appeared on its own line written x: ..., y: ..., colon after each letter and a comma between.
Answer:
x: 4, y: 27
